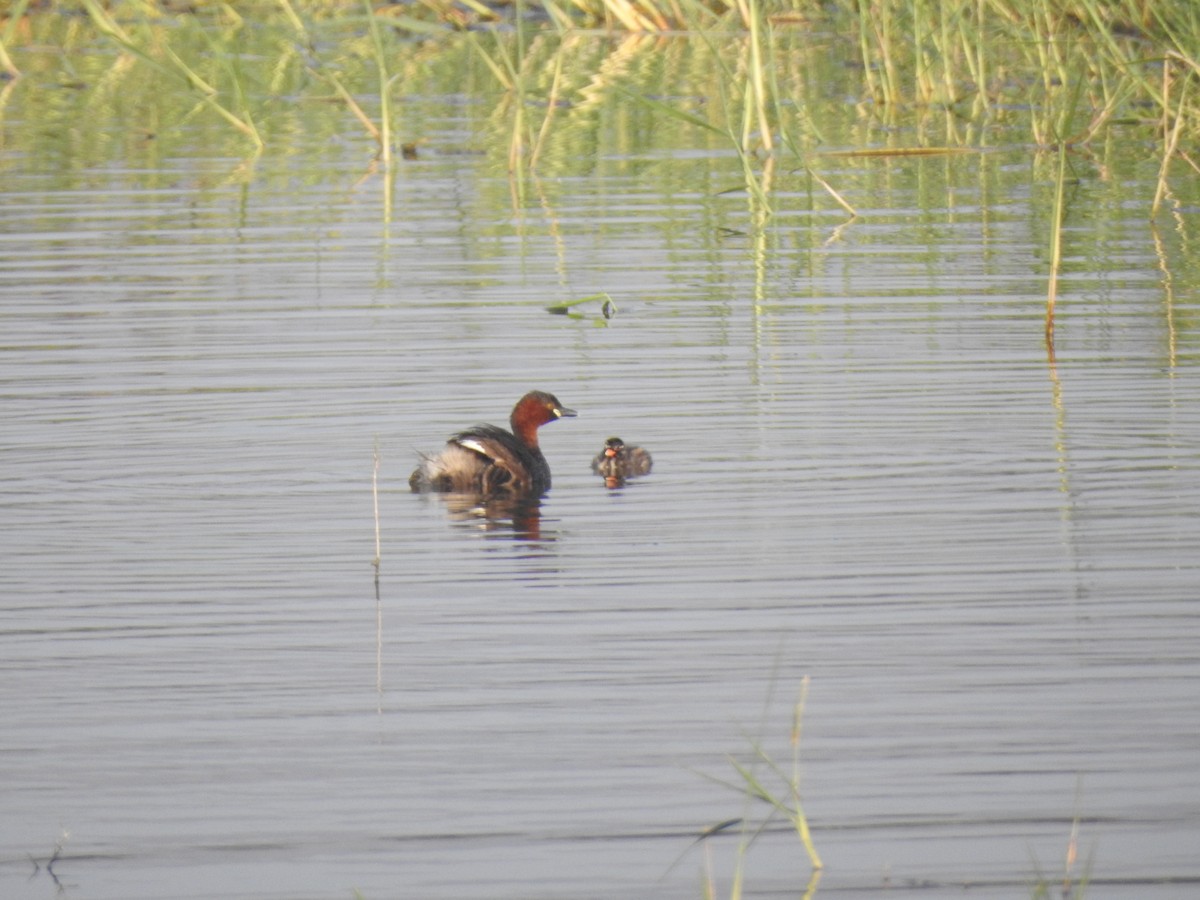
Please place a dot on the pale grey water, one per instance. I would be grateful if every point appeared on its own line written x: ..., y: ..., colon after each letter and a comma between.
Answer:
x: 866, y: 472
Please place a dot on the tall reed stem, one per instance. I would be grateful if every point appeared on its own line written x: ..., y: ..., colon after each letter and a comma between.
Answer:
x: 799, y: 818
x: 375, y: 498
x: 385, y: 88
x: 1056, y: 243
x: 1171, y: 138
x: 176, y: 68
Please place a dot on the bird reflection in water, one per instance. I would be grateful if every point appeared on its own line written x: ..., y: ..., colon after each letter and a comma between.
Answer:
x: 518, y: 514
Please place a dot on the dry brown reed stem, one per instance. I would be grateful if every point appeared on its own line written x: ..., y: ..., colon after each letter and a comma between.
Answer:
x: 901, y: 151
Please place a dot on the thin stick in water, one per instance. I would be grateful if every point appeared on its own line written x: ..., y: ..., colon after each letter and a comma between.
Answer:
x: 375, y: 498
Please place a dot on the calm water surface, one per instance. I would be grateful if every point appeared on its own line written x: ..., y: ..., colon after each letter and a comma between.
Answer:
x: 866, y: 472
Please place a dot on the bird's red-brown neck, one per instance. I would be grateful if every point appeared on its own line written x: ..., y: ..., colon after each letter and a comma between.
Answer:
x: 527, y: 417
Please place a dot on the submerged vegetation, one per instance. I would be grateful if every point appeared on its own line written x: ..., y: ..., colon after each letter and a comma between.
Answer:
x: 784, y: 800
